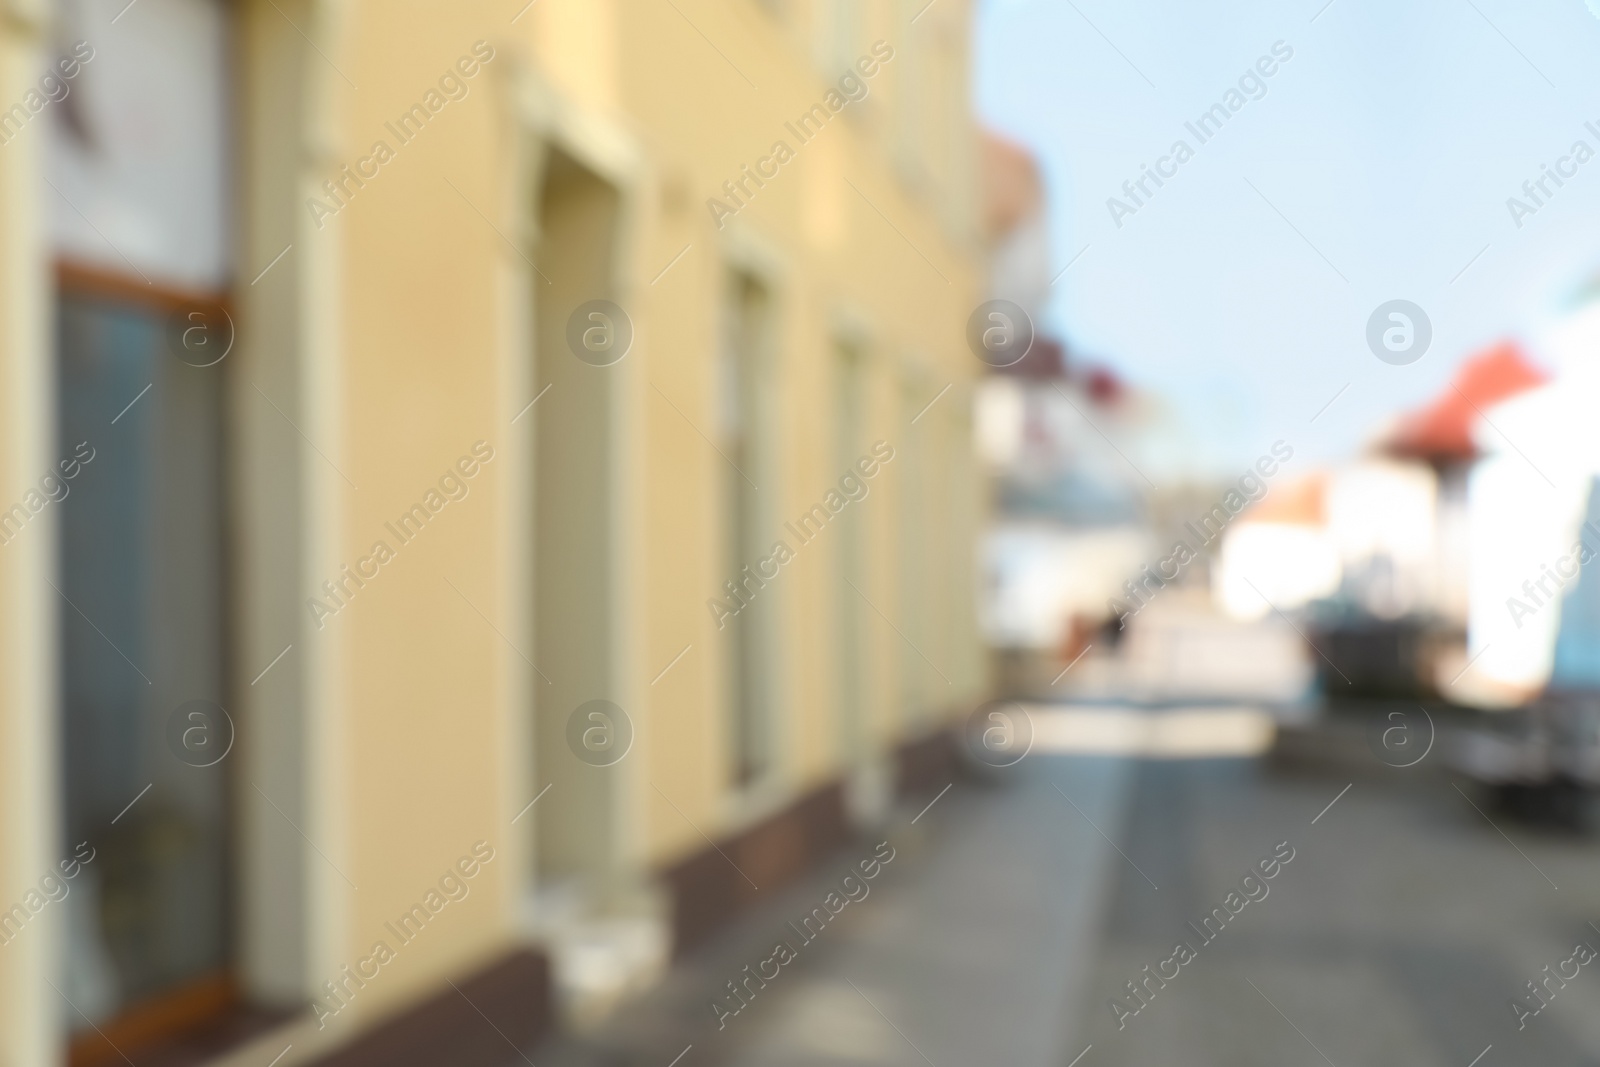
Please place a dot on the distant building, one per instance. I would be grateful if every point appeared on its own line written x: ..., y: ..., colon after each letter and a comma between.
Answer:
x: 1070, y: 510
x: 1016, y: 224
x: 1425, y: 534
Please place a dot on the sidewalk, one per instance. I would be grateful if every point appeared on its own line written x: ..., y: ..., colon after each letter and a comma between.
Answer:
x: 971, y: 946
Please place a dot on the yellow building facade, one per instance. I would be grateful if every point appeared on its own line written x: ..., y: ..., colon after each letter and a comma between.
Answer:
x: 594, y: 499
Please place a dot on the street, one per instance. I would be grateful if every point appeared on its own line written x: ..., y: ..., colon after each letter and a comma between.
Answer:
x: 1397, y: 933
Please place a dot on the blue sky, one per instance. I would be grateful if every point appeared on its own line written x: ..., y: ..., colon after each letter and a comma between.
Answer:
x: 1390, y: 141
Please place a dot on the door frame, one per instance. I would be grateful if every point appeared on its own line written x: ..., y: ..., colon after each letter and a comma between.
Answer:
x: 544, y: 119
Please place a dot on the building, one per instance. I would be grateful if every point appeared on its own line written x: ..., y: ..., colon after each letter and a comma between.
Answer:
x: 1404, y: 556
x: 404, y: 408
x: 1072, y: 511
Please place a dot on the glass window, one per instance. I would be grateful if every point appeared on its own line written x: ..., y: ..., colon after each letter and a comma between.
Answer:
x: 850, y: 633
x: 747, y: 432
x: 142, y: 650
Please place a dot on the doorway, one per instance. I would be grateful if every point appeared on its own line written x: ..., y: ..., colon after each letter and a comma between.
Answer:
x: 581, y: 337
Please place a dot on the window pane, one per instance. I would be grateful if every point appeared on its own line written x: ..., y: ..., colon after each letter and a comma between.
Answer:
x: 140, y: 571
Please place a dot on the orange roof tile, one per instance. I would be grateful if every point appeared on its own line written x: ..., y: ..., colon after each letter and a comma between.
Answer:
x: 1299, y: 502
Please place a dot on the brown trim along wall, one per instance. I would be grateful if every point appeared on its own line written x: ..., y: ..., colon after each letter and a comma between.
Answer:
x: 708, y: 888
x: 480, y: 1021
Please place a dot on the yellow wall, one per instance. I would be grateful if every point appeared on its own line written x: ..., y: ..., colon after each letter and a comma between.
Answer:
x: 396, y: 335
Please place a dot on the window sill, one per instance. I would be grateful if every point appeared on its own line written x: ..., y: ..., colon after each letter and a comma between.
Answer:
x: 191, y: 1025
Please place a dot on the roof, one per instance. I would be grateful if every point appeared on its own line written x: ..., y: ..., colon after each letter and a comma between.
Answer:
x: 1442, y: 430
x: 1298, y: 503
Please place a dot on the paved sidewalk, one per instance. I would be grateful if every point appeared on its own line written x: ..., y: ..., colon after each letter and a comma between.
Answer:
x: 972, y: 946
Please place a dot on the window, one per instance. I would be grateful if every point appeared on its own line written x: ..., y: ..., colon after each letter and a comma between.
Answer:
x: 840, y: 30
x: 139, y: 189
x: 746, y: 421
x: 142, y: 625
x: 850, y: 632
x: 917, y: 577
